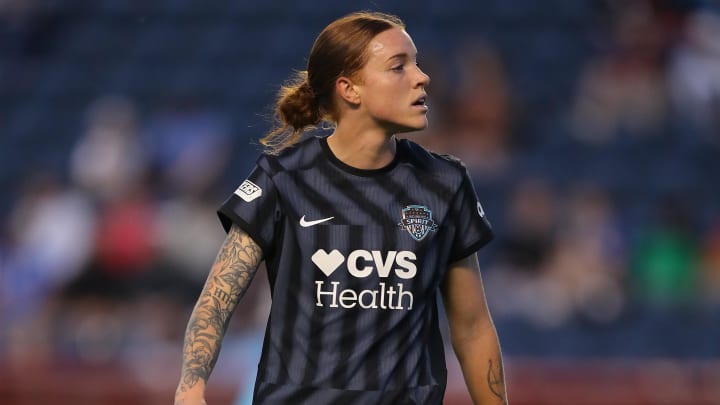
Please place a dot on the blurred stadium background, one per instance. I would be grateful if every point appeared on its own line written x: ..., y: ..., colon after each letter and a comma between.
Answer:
x: 591, y: 129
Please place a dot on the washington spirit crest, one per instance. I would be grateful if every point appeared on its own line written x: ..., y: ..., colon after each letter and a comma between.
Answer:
x: 418, y: 221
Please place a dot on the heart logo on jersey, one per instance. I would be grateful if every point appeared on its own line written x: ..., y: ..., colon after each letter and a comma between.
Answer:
x: 328, y: 262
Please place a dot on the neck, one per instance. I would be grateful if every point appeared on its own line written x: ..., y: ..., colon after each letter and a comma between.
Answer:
x: 363, y: 150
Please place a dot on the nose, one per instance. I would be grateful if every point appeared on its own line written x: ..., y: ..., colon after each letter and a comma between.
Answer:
x: 422, y: 79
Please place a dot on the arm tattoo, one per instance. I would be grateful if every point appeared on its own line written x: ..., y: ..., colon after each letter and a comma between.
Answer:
x: 234, y: 268
x: 222, y: 296
x: 496, y: 380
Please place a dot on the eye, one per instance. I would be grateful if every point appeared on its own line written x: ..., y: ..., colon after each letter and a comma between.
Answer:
x: 397, y: 68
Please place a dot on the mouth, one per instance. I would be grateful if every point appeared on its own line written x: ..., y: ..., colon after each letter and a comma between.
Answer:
x: 420, y: 102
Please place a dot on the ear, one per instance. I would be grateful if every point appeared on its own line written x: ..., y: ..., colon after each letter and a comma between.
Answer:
x: 347, y: 90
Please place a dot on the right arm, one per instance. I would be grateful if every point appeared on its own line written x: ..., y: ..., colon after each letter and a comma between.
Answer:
x: 234, y: 268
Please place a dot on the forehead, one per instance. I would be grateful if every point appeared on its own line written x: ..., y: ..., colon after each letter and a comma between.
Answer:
x: 389, y: 43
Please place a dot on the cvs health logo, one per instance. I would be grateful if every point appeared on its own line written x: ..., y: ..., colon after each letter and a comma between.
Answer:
x: 362, y: 264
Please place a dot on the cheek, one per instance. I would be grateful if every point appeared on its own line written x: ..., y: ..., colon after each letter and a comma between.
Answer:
x: 384, y: 96
x: 383, y: 105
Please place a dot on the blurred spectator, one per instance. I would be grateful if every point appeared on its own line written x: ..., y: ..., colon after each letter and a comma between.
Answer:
x: 624, y: 88
x: 480, y: 114
x: 530, y: 232
x: 189, y: 237
x: 188, y: 146
x: 589, y: 258
x: 50, y: 240
x: 124, y: 248
x: 665, y: 259
x: 517, y: 280
x: 695, y: 72
x: 107, y: 160
x: 710, y: 280
x: 51, y: 232
x: 111, y: 302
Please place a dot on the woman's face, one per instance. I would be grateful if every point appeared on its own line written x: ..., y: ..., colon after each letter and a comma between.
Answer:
x: 392, y: 86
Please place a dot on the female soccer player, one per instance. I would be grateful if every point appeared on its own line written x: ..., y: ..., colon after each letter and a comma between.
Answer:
x: 359, y: 231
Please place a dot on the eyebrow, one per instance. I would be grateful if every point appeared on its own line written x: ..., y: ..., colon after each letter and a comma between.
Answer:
x: 402, y: 55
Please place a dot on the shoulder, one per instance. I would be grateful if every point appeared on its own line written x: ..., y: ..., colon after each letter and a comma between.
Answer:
x: 434, y: 163
x: 296, y: 157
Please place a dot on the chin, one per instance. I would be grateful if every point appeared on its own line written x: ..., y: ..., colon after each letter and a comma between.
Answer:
x: 419, y: 126
x: 407, y: 126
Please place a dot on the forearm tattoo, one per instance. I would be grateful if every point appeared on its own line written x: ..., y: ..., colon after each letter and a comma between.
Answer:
x: 234, y: 268
x: 496, y: 379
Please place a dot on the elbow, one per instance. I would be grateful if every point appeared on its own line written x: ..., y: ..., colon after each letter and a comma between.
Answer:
x: 471, y: 333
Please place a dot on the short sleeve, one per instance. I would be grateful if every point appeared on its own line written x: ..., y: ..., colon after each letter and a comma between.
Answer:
x: 471, y: 227
x: 254, y: 208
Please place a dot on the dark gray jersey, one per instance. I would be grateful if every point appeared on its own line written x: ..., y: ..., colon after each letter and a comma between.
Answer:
x: 355, y: 259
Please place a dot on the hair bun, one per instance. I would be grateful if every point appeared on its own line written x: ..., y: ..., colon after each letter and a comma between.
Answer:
x: 306, y: 91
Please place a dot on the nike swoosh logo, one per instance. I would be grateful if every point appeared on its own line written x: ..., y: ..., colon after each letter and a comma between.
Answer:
x: 305, y: 223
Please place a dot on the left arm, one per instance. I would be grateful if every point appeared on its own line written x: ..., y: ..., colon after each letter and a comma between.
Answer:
x: 472, y: 332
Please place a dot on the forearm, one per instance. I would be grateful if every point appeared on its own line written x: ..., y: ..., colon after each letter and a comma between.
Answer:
x: 482, y: 366
x: 203, y: 340
x: 229, y: 278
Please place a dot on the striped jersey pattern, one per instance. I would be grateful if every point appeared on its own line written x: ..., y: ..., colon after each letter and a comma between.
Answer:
x: 355, y: 258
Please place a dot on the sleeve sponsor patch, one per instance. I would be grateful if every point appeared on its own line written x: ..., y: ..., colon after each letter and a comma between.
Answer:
x: 248, y: 191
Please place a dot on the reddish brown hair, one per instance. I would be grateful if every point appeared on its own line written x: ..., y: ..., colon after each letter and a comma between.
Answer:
x: 308, y: 98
